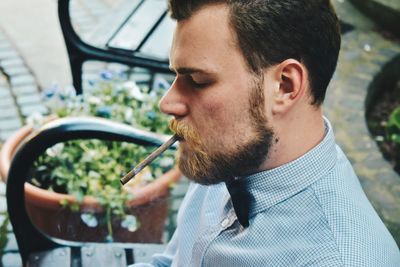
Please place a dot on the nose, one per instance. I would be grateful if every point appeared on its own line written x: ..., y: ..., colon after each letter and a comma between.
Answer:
x: 173, y: 102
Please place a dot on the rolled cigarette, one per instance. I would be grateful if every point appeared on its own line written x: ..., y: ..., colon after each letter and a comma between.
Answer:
x: 149, y: 159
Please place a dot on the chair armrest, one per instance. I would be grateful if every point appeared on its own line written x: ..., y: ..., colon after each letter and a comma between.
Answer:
x: 29, y: 239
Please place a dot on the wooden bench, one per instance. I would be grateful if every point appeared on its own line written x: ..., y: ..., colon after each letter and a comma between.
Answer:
x: 142, y: 40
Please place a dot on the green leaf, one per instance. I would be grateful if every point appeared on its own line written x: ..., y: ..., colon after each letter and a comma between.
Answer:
x: 394, y: 119
x: 93, y: 166
x: 3, y: 232
x: 395, y: 138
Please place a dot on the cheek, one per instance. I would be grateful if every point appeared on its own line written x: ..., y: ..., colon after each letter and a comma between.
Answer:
x: 210, y: 119
x: 225, y: 103
x: 224, y: 118
x: 214, y: 109
x: 220, y: 111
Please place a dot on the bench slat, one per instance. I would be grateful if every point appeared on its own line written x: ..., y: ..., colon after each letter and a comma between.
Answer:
x: 139, y: 25
x: 159, y: 43
x: 109, y: 25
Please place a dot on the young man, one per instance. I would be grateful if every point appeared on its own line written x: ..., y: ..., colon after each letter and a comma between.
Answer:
x: 271, y: 186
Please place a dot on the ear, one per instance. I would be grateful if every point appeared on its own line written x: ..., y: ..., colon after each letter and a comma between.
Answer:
x: 291, y: 77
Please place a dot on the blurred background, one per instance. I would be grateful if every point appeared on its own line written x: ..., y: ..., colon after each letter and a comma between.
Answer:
x: 363, y: 100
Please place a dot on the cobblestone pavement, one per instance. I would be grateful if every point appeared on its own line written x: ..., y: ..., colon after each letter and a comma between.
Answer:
x: 364, y: 52
x: 19, y: 93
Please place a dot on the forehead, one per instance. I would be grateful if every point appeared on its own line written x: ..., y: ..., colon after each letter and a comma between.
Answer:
x: 205, y: 40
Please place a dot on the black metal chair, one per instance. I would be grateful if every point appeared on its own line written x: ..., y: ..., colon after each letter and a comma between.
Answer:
x: 79, y: 51
x: 36, y: 248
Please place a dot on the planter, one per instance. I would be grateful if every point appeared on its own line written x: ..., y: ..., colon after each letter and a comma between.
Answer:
x: 149, y: 206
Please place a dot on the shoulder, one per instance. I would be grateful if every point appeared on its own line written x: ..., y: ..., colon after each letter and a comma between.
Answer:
x: 361, y: 237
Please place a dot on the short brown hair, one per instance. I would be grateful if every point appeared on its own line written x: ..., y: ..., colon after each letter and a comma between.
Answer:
x: 270, y: 31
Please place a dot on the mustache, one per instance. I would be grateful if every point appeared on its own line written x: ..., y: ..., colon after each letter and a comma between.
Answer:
x: 197, y: 160
x: 184, y: 131
x: 189, y: 134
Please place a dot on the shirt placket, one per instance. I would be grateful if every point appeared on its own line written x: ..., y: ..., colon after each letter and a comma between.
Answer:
x: 209, y: 234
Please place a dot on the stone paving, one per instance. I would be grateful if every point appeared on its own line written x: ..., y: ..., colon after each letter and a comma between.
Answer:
x: 19, y: 93
x: 364, y: 52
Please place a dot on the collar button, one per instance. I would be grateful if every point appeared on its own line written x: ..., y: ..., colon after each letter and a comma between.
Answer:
x: 225, y: 222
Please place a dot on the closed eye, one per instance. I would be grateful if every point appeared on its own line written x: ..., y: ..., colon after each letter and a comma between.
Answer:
x: 196, y: 84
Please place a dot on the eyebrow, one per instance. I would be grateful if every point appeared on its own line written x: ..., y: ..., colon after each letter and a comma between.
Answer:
x: 189, y: 70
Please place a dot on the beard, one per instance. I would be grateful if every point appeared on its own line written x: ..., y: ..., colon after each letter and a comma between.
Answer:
x: 204, y: 167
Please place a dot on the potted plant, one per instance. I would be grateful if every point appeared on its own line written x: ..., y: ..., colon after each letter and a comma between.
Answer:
x: 392, y: 144
x: 74, y: 191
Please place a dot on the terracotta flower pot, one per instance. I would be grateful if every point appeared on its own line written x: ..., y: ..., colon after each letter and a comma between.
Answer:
x: 149, y: 206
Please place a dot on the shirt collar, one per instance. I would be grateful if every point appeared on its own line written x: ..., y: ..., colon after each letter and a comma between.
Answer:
x: 267, y: 188
x: 270, y: 187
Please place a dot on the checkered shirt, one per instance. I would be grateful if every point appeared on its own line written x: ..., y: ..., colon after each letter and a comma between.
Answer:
x: 309, y: 212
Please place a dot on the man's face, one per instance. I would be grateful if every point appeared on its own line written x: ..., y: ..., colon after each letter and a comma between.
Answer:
x: 217, y: 104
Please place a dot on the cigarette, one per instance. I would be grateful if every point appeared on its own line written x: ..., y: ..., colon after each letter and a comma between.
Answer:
x: 149, y: 159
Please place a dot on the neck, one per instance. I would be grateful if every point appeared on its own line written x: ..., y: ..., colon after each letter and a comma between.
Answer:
x: 295, y: 135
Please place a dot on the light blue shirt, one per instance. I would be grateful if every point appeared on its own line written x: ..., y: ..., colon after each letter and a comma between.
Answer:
x: 309, y: 212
